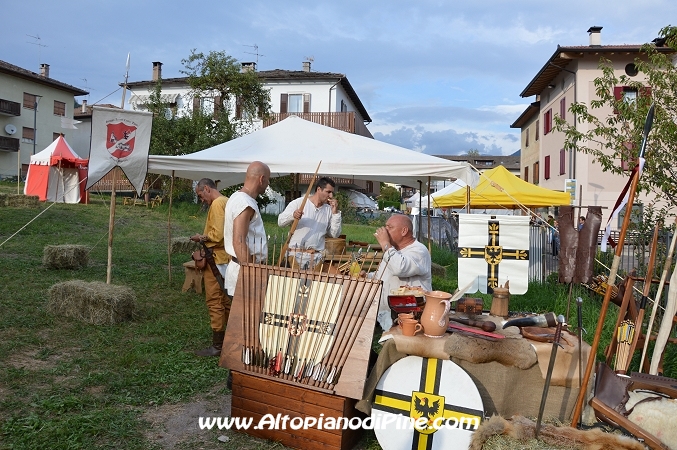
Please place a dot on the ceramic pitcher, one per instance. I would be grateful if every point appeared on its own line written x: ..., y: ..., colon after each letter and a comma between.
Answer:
x: 435, y: 316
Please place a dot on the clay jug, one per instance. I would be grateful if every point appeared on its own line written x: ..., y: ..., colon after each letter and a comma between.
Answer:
x: 435, y: 316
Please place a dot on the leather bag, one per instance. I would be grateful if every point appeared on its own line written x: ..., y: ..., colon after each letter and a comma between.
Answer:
x: 200, y: 259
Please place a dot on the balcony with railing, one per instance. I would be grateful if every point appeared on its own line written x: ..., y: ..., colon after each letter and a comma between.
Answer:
x: 9, y: 144
x: 9, y: 108
x: 344, y: 121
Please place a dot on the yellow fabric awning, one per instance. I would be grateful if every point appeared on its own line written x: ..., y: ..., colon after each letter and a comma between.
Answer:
x: 499, y: 188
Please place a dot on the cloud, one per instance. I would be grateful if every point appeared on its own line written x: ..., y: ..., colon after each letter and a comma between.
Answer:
x: 449, y: 141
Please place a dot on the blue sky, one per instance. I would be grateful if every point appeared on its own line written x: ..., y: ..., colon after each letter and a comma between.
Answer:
x: 436, y: 76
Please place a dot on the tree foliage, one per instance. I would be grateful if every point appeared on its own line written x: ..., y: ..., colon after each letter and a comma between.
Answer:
x: 215, y: 77
x: 615, y: 126
x: 389, y: 194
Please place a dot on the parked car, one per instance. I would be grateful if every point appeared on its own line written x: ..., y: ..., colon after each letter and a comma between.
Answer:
x: 391, y: 209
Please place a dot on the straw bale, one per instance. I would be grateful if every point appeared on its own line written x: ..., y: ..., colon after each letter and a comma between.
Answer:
x: 184, y: 245
x: 65, y: 256
x: 3, y: 200
x: 93, y: 302
x: 23, y: 201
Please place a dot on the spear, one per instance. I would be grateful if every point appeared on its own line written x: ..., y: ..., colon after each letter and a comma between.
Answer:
x: 666, y: 267
x: 296, y: 221
x: 612, y: 274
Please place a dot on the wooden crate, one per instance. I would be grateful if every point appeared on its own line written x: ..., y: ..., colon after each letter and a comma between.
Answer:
x: 255, y: 397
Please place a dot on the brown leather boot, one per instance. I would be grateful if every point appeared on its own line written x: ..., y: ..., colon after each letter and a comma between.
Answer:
x: 217, y: 343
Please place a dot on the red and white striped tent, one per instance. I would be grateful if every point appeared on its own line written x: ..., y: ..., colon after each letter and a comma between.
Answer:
x: 57, y: 174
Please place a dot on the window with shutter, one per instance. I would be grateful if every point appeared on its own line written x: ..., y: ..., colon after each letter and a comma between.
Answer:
x: 526, y: 137
x: 306, y: 103
x: 537, y: 130
x: 238, y: 108
x: 547, y: 121
x: 526, y: 174
x: 535, y: 172
x: 546, y: 168
x: 59, y: 108
x: 218, y: 105
x: 563, y: 108
x: 283, y: 103
x: 27, y: 135
x: 561, y: 161
x: 196, y: 104
x: 29, y: 100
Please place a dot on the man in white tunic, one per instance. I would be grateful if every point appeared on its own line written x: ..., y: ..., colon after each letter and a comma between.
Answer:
x: 244, y: 236
x: 320, y: 217
x: 405, y: 262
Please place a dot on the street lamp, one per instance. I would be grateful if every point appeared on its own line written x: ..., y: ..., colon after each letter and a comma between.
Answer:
x: 35, y: 120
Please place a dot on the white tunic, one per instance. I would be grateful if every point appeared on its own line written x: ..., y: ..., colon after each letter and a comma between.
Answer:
x: 314, y: 225
x: 257, y: 243
x: 410, y: 266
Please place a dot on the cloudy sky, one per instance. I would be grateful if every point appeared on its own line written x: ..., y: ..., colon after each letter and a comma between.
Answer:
x: 436, y: 76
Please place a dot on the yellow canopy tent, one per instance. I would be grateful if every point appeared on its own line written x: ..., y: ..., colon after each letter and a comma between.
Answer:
x: 499, y: 188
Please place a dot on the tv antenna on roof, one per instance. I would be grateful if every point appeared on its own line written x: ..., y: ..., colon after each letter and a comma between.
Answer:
x: 39, y: 44
x: 256, y: 51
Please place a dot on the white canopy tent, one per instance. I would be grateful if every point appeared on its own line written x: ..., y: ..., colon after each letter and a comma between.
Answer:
x: 415, y: 201
x: 295, y: 145
x: 360, y: 200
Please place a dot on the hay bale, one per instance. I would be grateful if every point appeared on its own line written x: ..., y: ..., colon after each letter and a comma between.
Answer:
x: 65, y: 256
x: 93, y: 302
x: 3, y: 200
x: 23, y: 201
x: 184, y: 245
x: 439, y: 271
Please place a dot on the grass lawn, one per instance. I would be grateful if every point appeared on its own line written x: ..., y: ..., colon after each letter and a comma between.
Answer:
x: 66, y: 384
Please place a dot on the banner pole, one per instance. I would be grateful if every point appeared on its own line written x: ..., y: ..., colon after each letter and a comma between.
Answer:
x: 169, y: 228
x: 111, y: 226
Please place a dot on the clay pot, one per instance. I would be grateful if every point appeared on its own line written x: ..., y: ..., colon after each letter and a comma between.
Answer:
x: 435, y: 316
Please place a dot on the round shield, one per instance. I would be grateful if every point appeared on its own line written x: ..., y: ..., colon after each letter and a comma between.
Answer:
x: 426, y: 403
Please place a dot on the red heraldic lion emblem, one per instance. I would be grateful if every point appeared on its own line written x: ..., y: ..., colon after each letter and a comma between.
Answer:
x: 120, y: 139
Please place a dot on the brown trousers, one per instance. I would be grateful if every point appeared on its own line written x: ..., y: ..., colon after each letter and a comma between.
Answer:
x: 218, y: 302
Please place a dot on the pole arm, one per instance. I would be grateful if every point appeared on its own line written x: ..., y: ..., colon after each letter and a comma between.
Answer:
x: 294, y: 224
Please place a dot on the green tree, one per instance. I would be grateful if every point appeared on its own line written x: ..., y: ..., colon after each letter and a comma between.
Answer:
x: 389, y: 194
x: 473, y: 152
x: 616, y: 125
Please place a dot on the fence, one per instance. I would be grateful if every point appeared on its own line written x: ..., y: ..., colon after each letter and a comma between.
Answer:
x: 543, y: 260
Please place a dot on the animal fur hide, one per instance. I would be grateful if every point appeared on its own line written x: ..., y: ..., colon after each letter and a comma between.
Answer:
x: 523, y: 429
x: 655, y: 416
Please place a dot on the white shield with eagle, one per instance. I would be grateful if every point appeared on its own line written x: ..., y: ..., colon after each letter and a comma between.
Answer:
x: 299, y: 315
x: 493, y: 250
x: 426, y: 403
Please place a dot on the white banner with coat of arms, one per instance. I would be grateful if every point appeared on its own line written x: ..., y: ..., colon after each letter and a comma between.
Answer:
x: 493, y: 250
x: 119, y: 138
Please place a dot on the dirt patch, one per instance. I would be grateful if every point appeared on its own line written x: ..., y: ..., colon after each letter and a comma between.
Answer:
x: 173, y: 426
x: 39, y: 359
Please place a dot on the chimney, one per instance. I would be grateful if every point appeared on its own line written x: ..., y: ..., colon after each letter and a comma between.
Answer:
x: 84, y: 107
x: 248, y: 67
x: 306, y: 66
x: 44, y: 70
x: 595, y: 35
x: 157, y: 70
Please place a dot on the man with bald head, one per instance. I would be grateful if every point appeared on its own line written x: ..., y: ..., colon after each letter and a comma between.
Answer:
x: 244, y: 236
x: 405, y: 262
